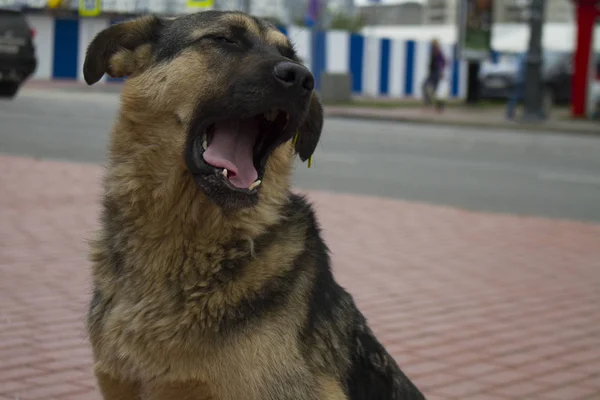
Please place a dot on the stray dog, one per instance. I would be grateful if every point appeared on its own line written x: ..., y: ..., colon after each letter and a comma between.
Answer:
x: 210, y: 278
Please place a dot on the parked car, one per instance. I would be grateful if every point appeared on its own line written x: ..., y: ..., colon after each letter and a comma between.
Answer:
x: 497, y: 80
x: 17, y: 52
x: 557, y: 75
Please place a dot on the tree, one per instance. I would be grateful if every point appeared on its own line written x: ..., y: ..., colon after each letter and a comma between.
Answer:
x: 344, y: 22
x: 274, y: 20
x: 339, y: 20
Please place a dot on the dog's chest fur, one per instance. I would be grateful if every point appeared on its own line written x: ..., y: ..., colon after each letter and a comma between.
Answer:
x: 179, y: 307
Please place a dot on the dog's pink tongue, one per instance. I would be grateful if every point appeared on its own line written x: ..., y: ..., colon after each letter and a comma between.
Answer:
x: 232, y: 148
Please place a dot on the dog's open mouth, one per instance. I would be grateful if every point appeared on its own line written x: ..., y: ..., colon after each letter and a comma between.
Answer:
x: 238, y: 148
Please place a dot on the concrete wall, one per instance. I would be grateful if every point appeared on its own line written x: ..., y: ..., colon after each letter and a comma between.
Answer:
x: 379, y: 66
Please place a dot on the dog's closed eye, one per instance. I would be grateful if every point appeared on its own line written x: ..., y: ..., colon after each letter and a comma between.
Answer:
x: 224, y: 39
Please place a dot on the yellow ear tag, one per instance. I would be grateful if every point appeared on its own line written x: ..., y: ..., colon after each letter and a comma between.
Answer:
x: 295, y: 141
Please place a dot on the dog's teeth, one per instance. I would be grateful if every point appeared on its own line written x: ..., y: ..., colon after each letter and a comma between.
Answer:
x: 255, y: 184
x: 271, y: 115
x: 224, y: 172
x: 204, y: 144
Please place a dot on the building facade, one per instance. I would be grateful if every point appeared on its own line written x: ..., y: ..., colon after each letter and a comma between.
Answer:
x: 514, y: 11
x: 442, y: 12
x: 409, y: 13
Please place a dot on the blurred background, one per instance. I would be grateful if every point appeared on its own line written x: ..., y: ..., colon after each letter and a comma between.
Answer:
x: 457, y: 182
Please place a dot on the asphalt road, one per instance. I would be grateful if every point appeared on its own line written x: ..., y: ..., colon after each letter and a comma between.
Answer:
x: 555, y: 175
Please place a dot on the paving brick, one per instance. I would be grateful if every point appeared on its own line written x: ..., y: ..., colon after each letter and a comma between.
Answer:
x: 592, y: 382
x: 67, y: 375
x: 462, y: 358
x: 57, y: 389
x: 519, y: 389
x: 472, y: 305
x: 502, y: 377
x: 463, y: 389
x: 517, y: 359
x: 582, y: 357
x: 544, y: 367
x: 15, y: 374
x: 66, y: 363
x: 437, y: 379
x: 476, y: 369
x: 486, y: 396
x: 436, y: 396
x: 83, y: 396
x: 12, y: 386
x: 11, y: 343
x: 560, y: 378
x: 571, y: 392
x: 438, y: 351
x: 423, y: 367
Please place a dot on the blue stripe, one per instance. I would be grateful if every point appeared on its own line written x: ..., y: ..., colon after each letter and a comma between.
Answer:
x: 357, y: 46
x: 319, y: 58
x: 384, y: 67
x: 66, y: 48
x: 110, y: 78
x: 455, y: 74
x: 283, y: 29
x: 410, y: 67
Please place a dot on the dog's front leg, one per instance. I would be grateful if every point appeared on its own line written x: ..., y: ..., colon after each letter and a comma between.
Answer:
x: 116, y: 389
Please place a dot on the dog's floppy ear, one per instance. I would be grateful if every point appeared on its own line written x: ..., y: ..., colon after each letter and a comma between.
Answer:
x: 309, y: 133
x: 122, y: 49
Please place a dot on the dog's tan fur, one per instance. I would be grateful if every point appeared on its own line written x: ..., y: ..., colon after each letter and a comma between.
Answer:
x: 162, y: 260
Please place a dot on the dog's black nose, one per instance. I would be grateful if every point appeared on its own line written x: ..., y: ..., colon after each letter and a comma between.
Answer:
x: 293, y: 75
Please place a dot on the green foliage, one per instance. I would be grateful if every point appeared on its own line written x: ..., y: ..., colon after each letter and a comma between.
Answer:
x: 345, y: 22
x: 299, y: 22
x: 340, y: 21
x: 274, y: 20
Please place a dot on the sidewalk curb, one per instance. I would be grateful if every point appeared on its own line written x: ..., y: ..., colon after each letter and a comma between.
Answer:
x: 522, y: 127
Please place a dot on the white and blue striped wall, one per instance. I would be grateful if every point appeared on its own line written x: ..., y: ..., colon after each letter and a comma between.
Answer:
x: 378, y: 66
x: 61, y: 44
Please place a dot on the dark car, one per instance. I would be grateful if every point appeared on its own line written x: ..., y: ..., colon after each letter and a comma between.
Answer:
x: 497, y: 81
x: 17, y: 52
x: 557, y: 75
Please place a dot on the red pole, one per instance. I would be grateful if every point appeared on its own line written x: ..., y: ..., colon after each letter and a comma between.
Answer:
x: 586, y: 17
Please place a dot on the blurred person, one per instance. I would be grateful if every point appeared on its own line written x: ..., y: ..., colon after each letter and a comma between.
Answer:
x: 519, y: 88
x: 437, y: 63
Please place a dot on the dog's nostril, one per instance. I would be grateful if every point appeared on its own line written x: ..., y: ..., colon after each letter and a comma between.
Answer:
x: 308, y: 83
x: 288, y: 75
x: 294, y: 75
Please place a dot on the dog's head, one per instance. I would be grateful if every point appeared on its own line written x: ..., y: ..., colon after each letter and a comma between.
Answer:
x: 227, y: 89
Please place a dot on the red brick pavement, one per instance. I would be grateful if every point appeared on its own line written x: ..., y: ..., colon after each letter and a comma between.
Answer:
x: 473, y: 305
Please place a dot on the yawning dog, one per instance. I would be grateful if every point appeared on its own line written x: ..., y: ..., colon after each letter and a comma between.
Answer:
x: 211, y: 279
